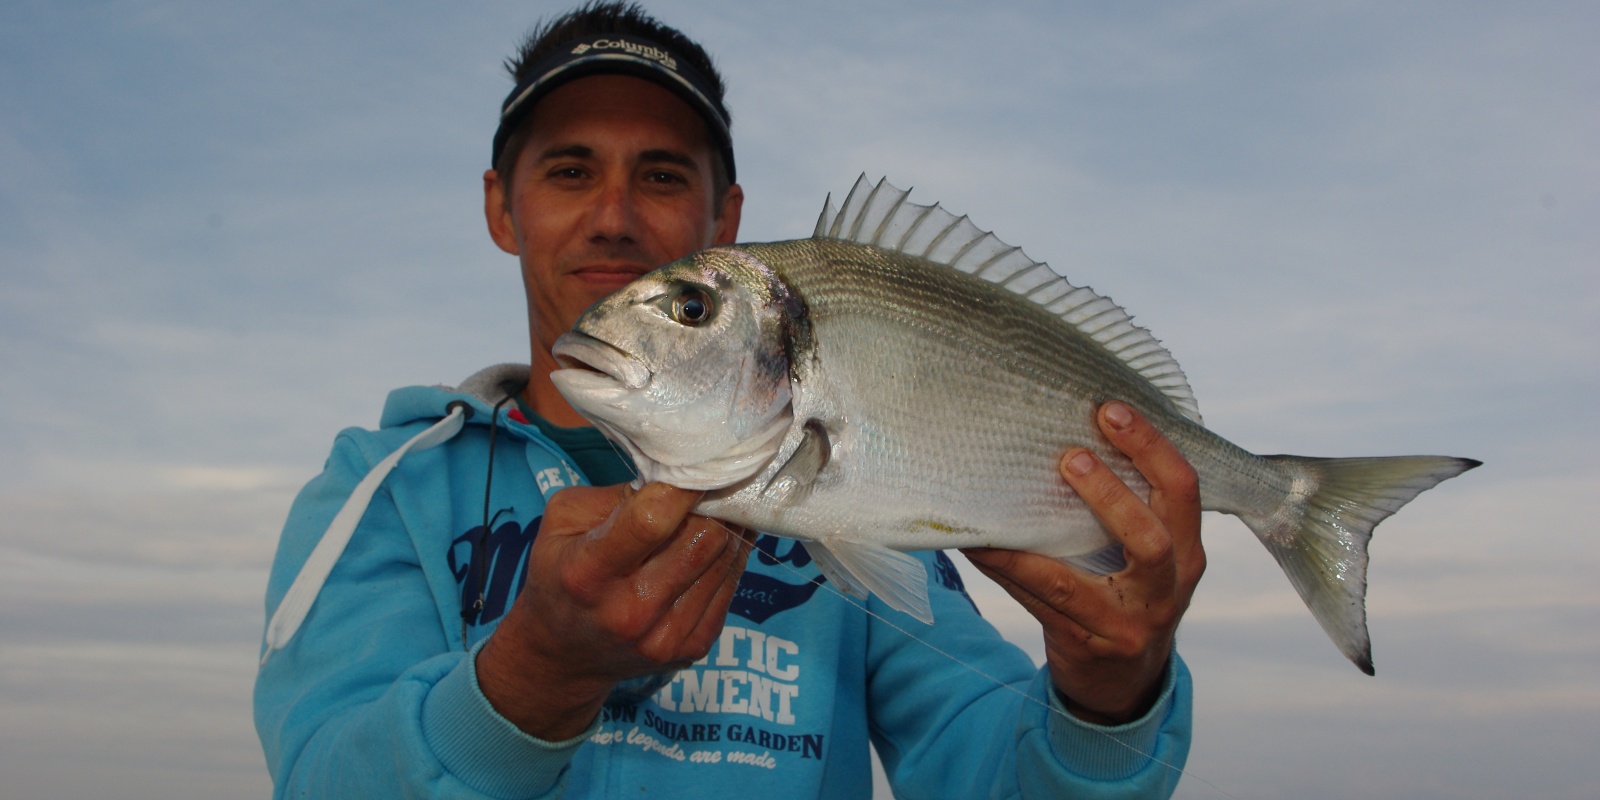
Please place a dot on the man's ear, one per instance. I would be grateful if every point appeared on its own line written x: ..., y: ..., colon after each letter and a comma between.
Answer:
x: 497, y: 212
x: 727, y: 230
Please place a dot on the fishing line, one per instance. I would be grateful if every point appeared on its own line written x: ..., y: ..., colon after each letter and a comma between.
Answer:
x: 626, y: 459
x: 996, y: 681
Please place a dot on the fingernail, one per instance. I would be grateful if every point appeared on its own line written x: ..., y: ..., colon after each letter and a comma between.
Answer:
x: 1118, y: 415
x: 1080, y: 463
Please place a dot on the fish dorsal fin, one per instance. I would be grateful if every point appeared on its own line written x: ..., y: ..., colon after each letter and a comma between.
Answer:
x: 879, y: 215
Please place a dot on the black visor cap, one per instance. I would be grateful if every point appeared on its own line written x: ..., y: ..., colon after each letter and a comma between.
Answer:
x: 614, y: 54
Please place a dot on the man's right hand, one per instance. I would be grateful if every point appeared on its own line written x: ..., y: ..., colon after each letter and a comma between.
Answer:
x: 621, y: 583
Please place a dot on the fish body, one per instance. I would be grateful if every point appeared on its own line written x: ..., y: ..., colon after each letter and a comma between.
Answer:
x: 904, y: 381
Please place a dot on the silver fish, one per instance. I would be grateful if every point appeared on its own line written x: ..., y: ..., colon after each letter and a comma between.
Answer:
x: 904, y: 380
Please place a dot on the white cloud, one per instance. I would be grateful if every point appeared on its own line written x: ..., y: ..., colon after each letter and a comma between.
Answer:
x: 150, y: 720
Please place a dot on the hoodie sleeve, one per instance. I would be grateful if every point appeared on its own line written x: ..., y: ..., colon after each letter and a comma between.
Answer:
x: 371, y: 698
x: 982, y: 721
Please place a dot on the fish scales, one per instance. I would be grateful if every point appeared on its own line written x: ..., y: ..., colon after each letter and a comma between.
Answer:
x: 903, y: 380
x: 930, y: 457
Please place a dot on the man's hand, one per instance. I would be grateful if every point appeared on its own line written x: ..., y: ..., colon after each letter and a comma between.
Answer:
x: 620, y: 584
x: 1108, y: 637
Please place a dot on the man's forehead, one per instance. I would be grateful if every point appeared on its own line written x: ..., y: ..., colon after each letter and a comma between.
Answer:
x: 615, y: 109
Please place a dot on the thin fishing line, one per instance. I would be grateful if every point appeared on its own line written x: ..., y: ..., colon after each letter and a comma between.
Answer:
x: 626, y: 459
x: 996, y: 681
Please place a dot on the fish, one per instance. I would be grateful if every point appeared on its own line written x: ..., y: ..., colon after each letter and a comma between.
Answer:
x: 903, y: 380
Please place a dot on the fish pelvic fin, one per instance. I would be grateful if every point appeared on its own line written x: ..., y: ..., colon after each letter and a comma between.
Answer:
x: 899, y: 580
x: 1319, y: 533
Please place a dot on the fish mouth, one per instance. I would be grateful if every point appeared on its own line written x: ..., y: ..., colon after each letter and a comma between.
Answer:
x: 579, y: 351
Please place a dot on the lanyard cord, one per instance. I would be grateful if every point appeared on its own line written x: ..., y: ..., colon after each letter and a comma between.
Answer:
x: 480, y: 555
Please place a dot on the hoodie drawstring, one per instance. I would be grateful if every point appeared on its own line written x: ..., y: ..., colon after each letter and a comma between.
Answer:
x: 308, y: 584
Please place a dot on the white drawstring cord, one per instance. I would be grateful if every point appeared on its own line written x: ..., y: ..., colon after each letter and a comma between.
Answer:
x: 308, y: 584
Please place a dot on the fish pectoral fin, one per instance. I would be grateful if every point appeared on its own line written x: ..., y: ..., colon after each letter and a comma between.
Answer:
x: 898, y: 579
x: 797, y: 475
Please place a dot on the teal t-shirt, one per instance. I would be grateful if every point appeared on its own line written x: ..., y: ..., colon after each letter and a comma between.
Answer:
x: 604, y: 463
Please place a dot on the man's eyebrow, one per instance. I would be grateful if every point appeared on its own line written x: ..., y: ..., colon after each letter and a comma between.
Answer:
x: 658, y: 156
x: 669, y: 157
x: 567, y: 151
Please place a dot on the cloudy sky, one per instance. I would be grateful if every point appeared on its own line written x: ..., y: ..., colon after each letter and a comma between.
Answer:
x: 227, y: 229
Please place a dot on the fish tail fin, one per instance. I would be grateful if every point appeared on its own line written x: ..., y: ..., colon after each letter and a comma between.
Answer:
x: 1319, y: 533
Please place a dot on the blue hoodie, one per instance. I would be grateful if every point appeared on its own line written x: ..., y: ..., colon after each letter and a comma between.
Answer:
x: 375, y: 694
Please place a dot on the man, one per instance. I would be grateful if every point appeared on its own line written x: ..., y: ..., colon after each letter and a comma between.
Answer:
x: 475, y: 612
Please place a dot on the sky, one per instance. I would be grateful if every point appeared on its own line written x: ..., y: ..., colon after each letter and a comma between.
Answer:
x: 1363, y: 228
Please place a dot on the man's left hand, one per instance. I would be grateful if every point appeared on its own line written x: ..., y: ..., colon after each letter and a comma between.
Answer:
x: 1108, y: 637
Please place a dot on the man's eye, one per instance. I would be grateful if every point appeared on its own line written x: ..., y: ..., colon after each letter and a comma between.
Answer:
x: 659, y: 176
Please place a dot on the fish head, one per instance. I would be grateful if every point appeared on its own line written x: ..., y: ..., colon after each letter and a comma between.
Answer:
x: 686, y: 368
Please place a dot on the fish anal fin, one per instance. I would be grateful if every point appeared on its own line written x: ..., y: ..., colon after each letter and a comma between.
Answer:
x: 899, y: 580
x: 1105, y: 561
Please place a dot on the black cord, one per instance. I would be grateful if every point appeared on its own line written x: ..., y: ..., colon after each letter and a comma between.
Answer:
x: 479, y: 557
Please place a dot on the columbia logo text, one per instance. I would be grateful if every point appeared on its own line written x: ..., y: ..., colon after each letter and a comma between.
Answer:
x: 655, y: 54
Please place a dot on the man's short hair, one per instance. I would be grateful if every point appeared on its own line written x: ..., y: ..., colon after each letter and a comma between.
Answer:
x: 652, y: 50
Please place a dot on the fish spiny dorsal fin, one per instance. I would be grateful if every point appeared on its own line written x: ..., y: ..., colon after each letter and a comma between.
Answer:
x: 878, y: 215
x: 823, y: 219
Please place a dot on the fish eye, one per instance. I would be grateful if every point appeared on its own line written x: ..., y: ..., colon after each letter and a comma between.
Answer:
x: 693, y: 307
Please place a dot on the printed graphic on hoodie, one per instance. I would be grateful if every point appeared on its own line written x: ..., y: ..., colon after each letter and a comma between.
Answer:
x: 735, y: 706
x: 495, y: 564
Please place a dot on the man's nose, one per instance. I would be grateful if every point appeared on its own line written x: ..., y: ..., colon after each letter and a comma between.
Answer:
x: 613, y: 216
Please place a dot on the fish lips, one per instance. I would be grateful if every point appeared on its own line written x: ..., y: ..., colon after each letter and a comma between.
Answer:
x: 584, y: 358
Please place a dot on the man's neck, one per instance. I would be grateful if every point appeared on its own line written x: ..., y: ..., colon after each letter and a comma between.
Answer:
x: 541, y: 395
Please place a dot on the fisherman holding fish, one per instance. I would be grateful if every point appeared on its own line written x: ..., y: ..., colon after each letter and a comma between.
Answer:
x: 473, y: 601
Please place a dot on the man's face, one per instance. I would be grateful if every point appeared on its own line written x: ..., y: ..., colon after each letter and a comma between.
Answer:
x: 613, y: 180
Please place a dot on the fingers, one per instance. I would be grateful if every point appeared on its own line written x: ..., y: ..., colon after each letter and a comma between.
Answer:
x: 1108, y: 637
x: 1045, y: 588
x: 689, y: 628
x: 620, y: 584
x: 658, y: 575
x: 1090, y: 609
x: 1171, y: 478
x: 579, y: 509
x: 698, y: 554
x: 1125, y: 514
x: 640, y: 525
x: 1166, y: 529
x: 1160, y: 537
x: 1174, y: 484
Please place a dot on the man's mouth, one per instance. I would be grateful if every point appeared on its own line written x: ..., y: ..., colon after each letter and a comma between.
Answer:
x: 618, y: 275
